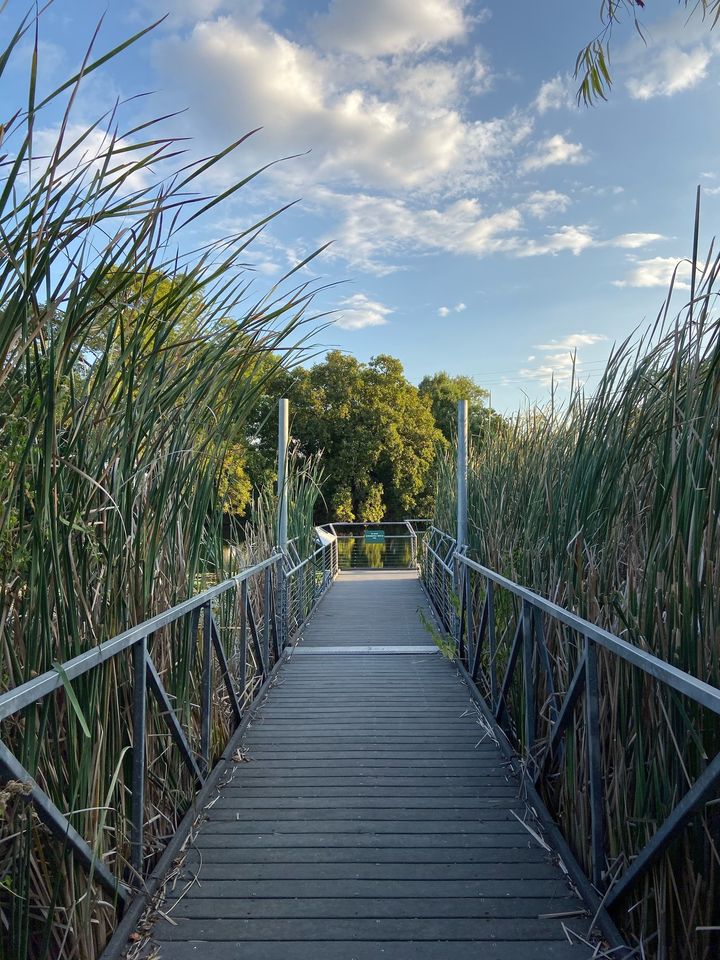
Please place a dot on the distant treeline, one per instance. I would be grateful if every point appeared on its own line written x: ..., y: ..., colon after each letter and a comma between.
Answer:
x: 379, y: 435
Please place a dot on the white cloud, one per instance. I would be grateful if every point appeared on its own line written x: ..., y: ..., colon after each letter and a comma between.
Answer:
x: 89, y: 155
x: 190, y: 11
x: 633, y: 241
x: 445, y: 311
x: 358, y: 312
x: 554, y: 151
x: 542, y: 202
x: 570, y: 238
x: 572, y: 341
x: 561, y: 360
x: 389, y: 27
x: 392, y: 126
x: 555, y: 94
x: 712, y: 191
x: 604, y: 191
x: 375, y: 229
x: 673, y: 70
x: 656, y: 272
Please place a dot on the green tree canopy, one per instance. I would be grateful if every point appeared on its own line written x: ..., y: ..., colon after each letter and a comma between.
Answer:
x: 443, y: 392
x: 376, y: 431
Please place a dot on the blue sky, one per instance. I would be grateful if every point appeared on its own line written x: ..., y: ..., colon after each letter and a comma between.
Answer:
x: 482, y: 222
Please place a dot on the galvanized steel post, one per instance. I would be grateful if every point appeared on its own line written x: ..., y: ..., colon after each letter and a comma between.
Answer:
x: 283, y: 414
x: 462, y: 473
x: 281, y: 580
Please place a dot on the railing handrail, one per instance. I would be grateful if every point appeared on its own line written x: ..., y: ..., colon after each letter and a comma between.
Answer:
x: 698, y: 690
x: 450, y: 588
x: 33, y: 690
x: 308, y: 560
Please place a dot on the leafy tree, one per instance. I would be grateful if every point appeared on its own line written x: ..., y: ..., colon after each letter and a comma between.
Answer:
x: 592, y: 66
x: 443, y: 392
x: 376, y: 431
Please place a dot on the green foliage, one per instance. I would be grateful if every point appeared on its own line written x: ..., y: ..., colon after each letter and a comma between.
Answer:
x: 376, y: 434
x: 592, y: 66
x: 304, y: 490
x: 444, y: 643
x: 128, y: 369
x: 443, y: 393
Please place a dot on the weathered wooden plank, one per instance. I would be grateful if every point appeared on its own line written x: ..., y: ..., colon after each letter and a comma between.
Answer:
x: 460, y: 827
x: 239, y: 800
x: 272, y: 839
x: 519, y: 870
x: 365, y: 908
x: 390, y: 930
x: 375, y: 949
x: 237, y: 813
x: 398, y: 856
x: 423, y: 789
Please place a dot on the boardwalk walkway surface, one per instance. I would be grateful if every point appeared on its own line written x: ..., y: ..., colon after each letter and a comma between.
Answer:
x: 374, y: 819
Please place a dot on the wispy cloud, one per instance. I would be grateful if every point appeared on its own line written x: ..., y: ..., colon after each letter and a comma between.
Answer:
x: 377, y: 28
x: 561, y: 359
x: 673, y: 71
x: 570, y: 238
x: 446, y: 311
x: 656, y: 272
x: 554, y: 151
x: 359, y: 311
x: 542, y: 202
x: 555, y: 94
x: 633, y: 241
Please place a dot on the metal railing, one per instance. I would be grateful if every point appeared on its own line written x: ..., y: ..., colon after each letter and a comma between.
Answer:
x: 237, y: 632
x: 389, y: 545
x: 305, y: 581
x: 501, y: 630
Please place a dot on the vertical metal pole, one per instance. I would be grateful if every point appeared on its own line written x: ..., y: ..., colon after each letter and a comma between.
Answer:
x: 243, y: 640
x: 206, y: 693
x: 528, y: 676
x: 492, y: 643
x: 469, y: 618
x: 283, y: 427
x: 597, y: 823
x: 139, y: 655
x: 266, y: 620
x: 282, y: 531
x: 462, y: 472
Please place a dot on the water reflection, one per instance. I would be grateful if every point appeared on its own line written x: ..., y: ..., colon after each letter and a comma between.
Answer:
x: 354, y: 552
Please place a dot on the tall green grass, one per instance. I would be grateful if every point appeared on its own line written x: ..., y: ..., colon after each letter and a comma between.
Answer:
x: 609, y: 505
x: 130, y: 358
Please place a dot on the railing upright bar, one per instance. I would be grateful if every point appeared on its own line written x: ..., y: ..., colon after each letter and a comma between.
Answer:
x: 597, y: 825
x: 469, y: 618
x: 528, y: 615
x: 266, y: 619
x: 177, y: 733
x: 243, y: 640
x: 225, y: 671
x: 492, y: 643
x: 460, y: 620
x: 206, y: 692
x: 137, y: 813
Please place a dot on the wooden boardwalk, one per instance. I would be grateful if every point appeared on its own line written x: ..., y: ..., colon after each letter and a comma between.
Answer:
x: 374, y: 818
